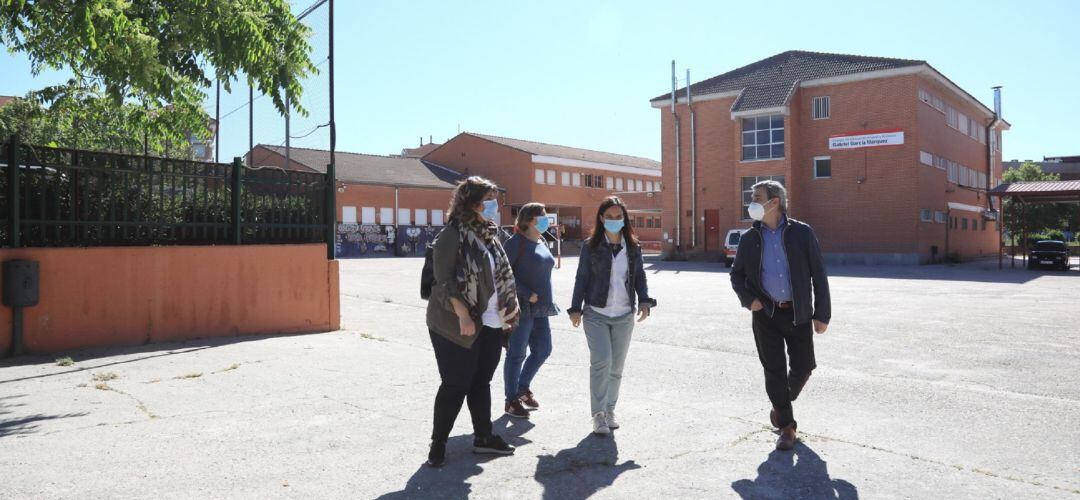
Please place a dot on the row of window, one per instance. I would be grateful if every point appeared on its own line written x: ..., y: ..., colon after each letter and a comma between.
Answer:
x: 957, y: 173
x: 645, y: 222
x: 954, y: 222
x: 954, y: 118
x: 405, y: 216
x: 576, y: 179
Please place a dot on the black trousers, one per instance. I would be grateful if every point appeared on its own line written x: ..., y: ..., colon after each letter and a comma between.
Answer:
x: 466, y: 375
x: 771, y: 335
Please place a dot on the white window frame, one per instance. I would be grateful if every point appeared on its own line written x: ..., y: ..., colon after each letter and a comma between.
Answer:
x: 938, y: 104
x: 437, y: 218
x: 815, y: 166
x: 540, y: 176
x: 404, y: 217
x: 770, y: 144
x: 367, y: 215
x: 619, y: 184
x: 939, y: 217
x: 348, y: 215
x: 609, y: 183
x: 820, y: 108
x: 926, y: 158
x: 925, y: 215
x: 924, y: 96
x: 386, y: 216
x: 963, y: 123
x: 577, y: 179
x: 566, y: 178
x: 420, y: 219
x: 639, y: 185
x: 551, y: 177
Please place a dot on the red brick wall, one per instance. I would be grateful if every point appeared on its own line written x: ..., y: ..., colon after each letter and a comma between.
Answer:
x: 871, y: 202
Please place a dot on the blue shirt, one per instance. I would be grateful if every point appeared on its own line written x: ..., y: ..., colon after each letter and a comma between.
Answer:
x: 775, y: 275
x: 532, y: 263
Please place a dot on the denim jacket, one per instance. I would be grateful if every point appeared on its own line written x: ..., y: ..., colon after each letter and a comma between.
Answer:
x: 594, y: 277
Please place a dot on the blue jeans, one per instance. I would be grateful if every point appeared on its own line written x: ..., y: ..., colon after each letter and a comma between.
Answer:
x: 518, y: 372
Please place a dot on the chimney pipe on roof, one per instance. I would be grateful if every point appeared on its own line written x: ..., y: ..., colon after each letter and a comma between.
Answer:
x: 997, y: 101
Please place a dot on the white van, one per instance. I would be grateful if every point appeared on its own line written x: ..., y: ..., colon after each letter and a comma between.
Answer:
x: 731, y: 245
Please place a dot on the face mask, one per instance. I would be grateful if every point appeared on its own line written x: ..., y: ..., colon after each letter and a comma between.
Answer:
x: 613, y: 225
x: 491, y: 209
x: 757, y: 211
x: 543, y: 223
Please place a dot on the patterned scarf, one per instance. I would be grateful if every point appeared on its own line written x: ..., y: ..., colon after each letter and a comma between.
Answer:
x: 477, y: 238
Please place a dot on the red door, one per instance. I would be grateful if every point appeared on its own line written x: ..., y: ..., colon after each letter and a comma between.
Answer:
x: 712, y: 231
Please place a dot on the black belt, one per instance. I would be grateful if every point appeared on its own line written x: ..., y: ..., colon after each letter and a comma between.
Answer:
x: 783, y: 305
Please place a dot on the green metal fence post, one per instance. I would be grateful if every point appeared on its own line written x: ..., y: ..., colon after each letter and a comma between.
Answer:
x: 237, y: 225
x: 13, y: 190
x: 331, y: 212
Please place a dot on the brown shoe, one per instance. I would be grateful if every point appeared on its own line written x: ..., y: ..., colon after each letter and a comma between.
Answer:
x: 786, y: 441
x: 774, y: 418
x: 514, y: 409
x: 527, y: 399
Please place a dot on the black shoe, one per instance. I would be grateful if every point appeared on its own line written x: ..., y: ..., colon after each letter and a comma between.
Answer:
x: 437, y: 456
x: 492, y: 445
x: 514, y: 409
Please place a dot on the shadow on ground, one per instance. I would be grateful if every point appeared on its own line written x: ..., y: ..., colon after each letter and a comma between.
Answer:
x: 26, y: 424
x: 794, y: 474
x: 583, y: 470
x: 451, y: 480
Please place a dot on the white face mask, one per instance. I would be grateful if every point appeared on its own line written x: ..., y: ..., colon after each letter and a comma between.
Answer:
x: 757, y: 211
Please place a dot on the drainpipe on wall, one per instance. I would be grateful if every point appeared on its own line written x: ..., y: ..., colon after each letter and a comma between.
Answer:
x: 693, y: 167
x: 678, y: 182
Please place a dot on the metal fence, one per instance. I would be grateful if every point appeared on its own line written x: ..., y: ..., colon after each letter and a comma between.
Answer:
x: 52, y: 197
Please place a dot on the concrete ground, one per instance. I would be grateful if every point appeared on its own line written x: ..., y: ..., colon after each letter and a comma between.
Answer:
x: 933, y: 382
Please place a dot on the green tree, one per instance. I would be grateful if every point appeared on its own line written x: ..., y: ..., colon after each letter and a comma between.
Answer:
x: 162, y: 53
x: 1038, y: 218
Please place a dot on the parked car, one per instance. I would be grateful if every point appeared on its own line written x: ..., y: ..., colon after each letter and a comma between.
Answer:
x: 1049, y: 253
x: 731, y: 245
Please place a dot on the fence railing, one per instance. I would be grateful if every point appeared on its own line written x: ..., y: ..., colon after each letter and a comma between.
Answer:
x: 54, y: 197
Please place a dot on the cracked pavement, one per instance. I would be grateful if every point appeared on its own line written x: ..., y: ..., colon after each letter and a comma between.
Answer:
x: 933, y: 382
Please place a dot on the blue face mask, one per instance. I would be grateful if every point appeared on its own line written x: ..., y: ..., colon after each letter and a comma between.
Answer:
x: 491, y: 209
x: 543, y: 223
x: 613, y: 225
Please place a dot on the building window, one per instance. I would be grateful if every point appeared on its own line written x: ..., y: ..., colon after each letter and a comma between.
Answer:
x: 659, y: 186
x: 610, y: 183
x: 551, y: 177
x: 963, y: 123
x: 748, y: 190
x: 659, y: 222
x: 924, y: 215
x: 436, y: 217
x: 348, y: 215
x: 938, y: 103
x: 939, y: 217
x: 588, y: 180
x: 639, y: 185
x: 619, y: 184
x: 926, y: 158
x: 963, y: 223
x: 940, y: 162
x: 763, y: 138
x: 821, y: 107
x: 386, y: 216
x: 954, y: 171
x: 566, y: 178
x: 984, y: 225
x: 952, y: 117
x: 577, y: 179
x: 421, y: 217
x: 649, y: 223
x: 367, y: 215
x: 600, y: 181
x: 404, y: 216
x: 539, y: 176
x: 924, y: 96
x: 822, y: 167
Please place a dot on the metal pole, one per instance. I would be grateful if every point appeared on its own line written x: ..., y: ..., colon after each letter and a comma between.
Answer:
x: 332, y: 171
x: 288, y: 115
x: 251, y: 125
x: 237, y: 185
x: 331, y: 211
x: 13, y: 189
x: 217, y: 125
x: 693, y: 166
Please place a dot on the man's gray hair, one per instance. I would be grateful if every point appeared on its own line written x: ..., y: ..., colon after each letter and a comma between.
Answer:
x: 774, y: 189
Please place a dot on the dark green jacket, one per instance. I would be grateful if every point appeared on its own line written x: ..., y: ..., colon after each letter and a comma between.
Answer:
x: 441, y: 317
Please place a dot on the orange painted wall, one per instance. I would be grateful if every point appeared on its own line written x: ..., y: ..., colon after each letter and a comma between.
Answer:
x: 125, y: 296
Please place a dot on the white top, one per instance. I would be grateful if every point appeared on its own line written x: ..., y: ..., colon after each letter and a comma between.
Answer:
x: 491, y: 317
x: 618, y: 301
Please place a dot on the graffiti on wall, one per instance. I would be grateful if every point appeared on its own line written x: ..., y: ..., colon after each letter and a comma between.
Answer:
x: 411, y: 240
x: 373, y: 240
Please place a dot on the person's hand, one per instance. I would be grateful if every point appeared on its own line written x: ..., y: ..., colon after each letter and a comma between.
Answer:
x: 756, y: 306
x: 643, y: 313
x: 467, y: 326
x: 575, y: 319
x: 820, y: 327
x: 534, y: 298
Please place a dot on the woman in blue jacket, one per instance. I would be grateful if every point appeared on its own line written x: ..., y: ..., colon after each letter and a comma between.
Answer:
x: 532, y: 263
x: 610, y: 283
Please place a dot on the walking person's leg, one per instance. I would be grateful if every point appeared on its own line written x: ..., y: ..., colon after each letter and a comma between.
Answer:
x: 539, y: 350
x: 800, y: 347
x: 489, y: 346
x: 598, y: 335
x: 512, y: 368
x: 456, y: 367
x: 622, y: 330
x: 769, y: 338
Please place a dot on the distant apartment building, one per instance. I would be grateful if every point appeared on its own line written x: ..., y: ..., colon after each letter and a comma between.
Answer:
x: 888, y: 159
x: 1066, y: 167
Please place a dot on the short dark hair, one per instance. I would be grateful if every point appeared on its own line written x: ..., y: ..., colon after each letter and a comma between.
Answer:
x: 527, y: 213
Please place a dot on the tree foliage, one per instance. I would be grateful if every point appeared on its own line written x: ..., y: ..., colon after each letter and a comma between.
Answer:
x: 1037, y: 217
x: 164, y: 51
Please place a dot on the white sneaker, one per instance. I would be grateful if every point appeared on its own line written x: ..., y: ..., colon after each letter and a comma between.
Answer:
x: 610, y: 419
x: 599, y: 424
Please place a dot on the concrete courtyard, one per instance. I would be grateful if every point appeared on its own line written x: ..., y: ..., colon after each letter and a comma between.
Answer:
x: 933, y: 382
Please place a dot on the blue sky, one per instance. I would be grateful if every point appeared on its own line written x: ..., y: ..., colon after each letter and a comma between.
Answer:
x: 581, y: 73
